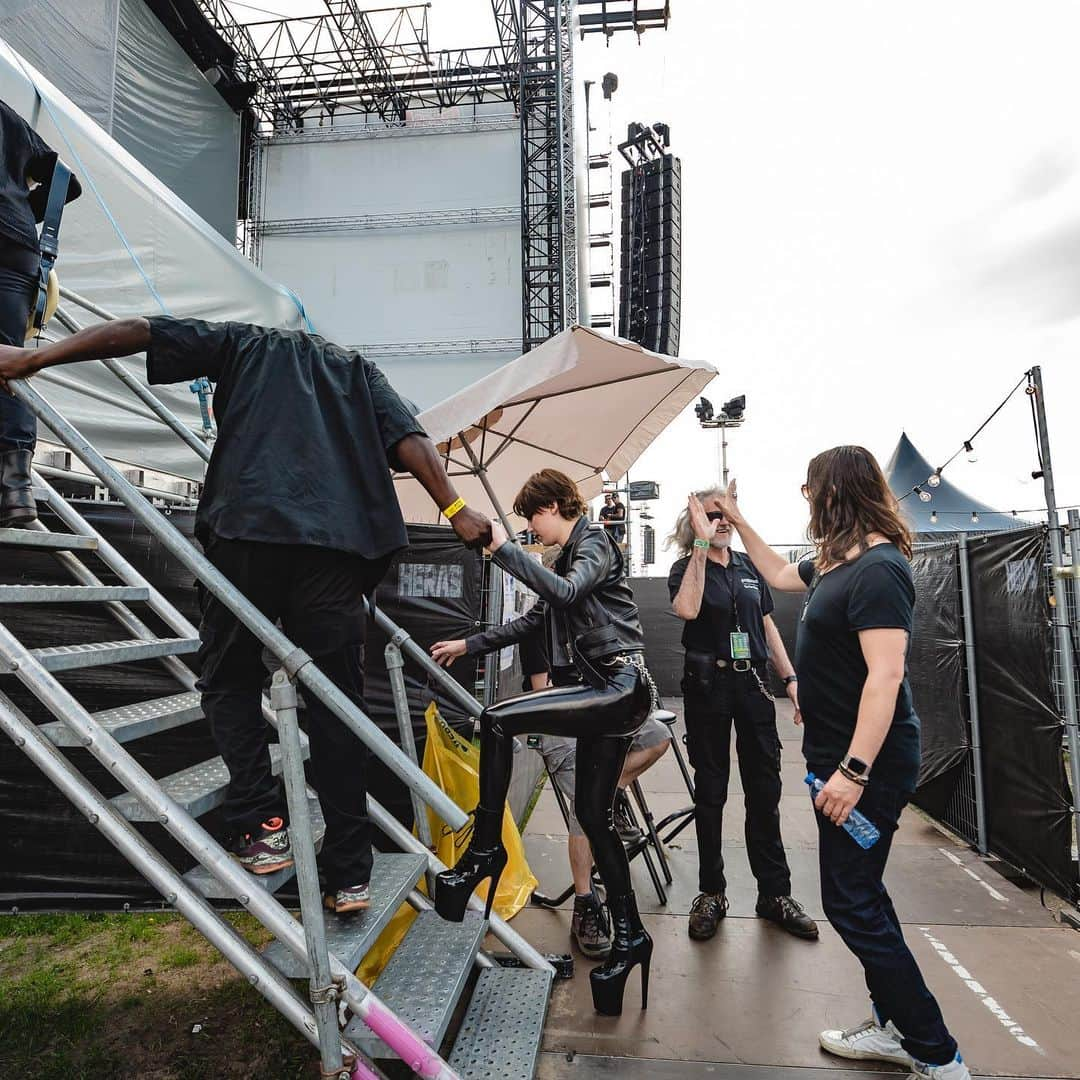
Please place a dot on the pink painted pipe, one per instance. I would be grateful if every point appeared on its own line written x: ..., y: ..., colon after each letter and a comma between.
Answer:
x: 405, y: 1043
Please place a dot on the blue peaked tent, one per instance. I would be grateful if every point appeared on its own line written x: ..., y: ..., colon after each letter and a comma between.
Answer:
x: 907, y: 467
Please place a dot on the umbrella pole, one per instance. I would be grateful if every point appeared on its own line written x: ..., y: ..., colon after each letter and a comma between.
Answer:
x: 481, y: 475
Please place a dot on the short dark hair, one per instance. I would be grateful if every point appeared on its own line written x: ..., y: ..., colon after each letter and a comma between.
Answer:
x: 547, y: 487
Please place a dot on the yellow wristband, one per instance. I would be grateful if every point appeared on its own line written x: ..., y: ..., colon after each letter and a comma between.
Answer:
x: 453, y: 508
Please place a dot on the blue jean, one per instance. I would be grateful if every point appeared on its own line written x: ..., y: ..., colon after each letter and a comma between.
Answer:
x: 18, y: 425
x: 859, y: 908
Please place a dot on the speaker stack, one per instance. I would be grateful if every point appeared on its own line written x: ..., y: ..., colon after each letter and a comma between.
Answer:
x: 651, y: 270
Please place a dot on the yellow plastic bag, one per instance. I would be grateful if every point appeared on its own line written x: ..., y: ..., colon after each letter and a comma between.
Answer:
x: 454, y: 765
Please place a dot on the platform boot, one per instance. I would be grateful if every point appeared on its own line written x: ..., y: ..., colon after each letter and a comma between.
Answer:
x: 17, y: 506
x: 485, y: 857
x: 630, y: 945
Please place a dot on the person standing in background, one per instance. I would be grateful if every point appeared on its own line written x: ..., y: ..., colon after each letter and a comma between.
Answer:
x: 26, y: 170
x: 729, y: 636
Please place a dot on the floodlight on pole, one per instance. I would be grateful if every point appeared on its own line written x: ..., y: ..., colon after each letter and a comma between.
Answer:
x: 732, y: 414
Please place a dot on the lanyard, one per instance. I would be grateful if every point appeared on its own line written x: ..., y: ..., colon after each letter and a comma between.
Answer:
x: 732, y: 586
x: 815, y: 581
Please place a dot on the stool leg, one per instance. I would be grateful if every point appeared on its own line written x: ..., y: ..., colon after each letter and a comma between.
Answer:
x: 650, y: 828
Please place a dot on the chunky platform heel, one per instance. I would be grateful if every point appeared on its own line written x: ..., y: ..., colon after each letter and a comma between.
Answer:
x: 630, y: 946
x: 485, y: 857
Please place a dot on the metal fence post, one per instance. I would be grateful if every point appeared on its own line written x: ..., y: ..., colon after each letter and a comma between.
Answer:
x: 1061, y: 608
x: 973, y: 693
x: 323, y: 989
x: 395, y: 669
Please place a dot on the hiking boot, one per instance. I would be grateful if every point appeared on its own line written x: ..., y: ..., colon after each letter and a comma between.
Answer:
x: 589, y: 927
x: 705, y: 914
x: 354, y: 898
x: 628, y: 832
x: 955, y: 1070
x: 868, y: 1041
x: 265, y: 850
x: 787, y: 913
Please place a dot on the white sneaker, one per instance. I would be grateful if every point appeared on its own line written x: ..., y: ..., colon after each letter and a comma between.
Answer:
x: 868, y: 1041
x: 955, y: 1070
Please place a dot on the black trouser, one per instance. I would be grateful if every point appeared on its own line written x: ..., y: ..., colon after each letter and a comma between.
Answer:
x: 860, y: 910
x: 317, y: 593
x: 18, y: 290
x: 604, y: 722
x: 736, y: 696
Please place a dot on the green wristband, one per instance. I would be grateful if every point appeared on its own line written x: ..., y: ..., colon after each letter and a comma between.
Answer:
x: 699, y: 543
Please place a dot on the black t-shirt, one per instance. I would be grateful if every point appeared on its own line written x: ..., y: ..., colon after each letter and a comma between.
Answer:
x: 306, y: 432
x: 23, y: 154
x: 740, y: 582
x: 874, y: 591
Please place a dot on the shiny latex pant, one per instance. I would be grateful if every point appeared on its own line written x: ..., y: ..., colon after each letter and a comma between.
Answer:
x: 603, y: 722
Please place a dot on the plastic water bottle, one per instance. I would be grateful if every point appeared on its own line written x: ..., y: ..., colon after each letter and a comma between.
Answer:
x: 863, y: 831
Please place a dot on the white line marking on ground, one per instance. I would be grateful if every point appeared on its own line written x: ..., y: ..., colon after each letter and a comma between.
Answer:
x: 1006, y: 1021
x: 971, y: 873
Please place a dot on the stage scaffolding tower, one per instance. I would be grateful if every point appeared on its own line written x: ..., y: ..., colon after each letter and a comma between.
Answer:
x: 313, y: 69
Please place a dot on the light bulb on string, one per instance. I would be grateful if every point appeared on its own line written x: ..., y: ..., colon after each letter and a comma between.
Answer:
x: 972, y: 453
x: 934, y: 479
x: 933, y: 517
x: 974, y: 517
x: 924, y: 496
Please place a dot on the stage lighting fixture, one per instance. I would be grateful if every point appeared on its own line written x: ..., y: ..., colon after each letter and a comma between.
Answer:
x: 703, y: 410
x: 734, y: 409
x: 609, y: 84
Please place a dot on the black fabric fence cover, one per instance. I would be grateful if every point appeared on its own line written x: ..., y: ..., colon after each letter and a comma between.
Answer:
x: 51, y: 857
x: 1027, y: 791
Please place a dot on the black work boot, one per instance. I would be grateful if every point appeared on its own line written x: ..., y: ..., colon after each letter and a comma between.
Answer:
x: 589, y: 927
x: 787, y: 913
x: 17, y: 506
x: 705, y: 914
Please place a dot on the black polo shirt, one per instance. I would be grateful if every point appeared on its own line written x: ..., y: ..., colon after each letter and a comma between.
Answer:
x: 306, y: 435
x: 727, y: 588
x: 23, y: 153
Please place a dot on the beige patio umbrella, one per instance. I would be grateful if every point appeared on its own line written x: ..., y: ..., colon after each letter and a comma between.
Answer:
x: 583, y: 403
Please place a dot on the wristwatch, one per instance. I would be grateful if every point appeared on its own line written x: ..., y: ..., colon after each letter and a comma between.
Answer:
x: 855, y: 769
x: 789, y: 679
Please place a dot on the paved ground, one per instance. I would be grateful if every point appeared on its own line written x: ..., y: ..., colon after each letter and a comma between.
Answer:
x: 748, y: 1004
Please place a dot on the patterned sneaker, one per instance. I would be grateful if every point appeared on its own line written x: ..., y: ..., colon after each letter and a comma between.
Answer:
x: 589, y: 927
x: 955, y: 1070
x: 354, y: 898
x: 868, y: 1041
x: 265, y: 851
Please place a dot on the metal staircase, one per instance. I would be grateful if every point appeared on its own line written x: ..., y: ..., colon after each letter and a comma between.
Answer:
x: 410, y: 1011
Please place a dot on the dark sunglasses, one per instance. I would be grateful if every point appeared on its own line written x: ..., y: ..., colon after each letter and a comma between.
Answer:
x: 715, y: 515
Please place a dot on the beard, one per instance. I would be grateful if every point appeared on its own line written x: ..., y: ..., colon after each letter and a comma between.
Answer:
x: 722, y: 540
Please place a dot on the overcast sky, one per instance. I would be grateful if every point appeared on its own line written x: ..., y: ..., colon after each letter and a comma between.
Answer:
x: 881, y: 228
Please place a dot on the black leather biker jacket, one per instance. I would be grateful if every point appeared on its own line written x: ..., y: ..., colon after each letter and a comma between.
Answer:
x: 586, y: 607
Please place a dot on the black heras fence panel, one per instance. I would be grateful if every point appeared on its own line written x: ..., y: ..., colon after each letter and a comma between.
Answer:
x: 937, y: 672
x: 1027, y: 793
x: 663, y: 633
x: 52, y: 857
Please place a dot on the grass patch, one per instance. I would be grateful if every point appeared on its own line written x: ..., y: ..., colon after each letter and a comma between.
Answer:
x: 117, y: 997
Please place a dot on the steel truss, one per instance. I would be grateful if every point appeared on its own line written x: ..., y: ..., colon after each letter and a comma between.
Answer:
x: 548, y: 203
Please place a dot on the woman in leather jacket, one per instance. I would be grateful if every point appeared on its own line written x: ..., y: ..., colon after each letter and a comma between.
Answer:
x: 601, y: 696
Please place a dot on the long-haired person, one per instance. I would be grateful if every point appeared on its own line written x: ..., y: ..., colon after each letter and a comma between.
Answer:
x: 601, y: 696
x: 861, y: 736
x: 729, y: 636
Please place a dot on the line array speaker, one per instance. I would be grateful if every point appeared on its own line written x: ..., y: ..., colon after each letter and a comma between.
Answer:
x: 651, y: 263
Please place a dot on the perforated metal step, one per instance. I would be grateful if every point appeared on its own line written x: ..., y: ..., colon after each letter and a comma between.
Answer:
x: 197, y: 789
x: 424, y: 979
x: 349, y: 937
x: 503, y: 1026
x: 32, y: 538
x: 201, y: 879
x: 100, y: 653
x: 131, y: 722
x: 72, y: 594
